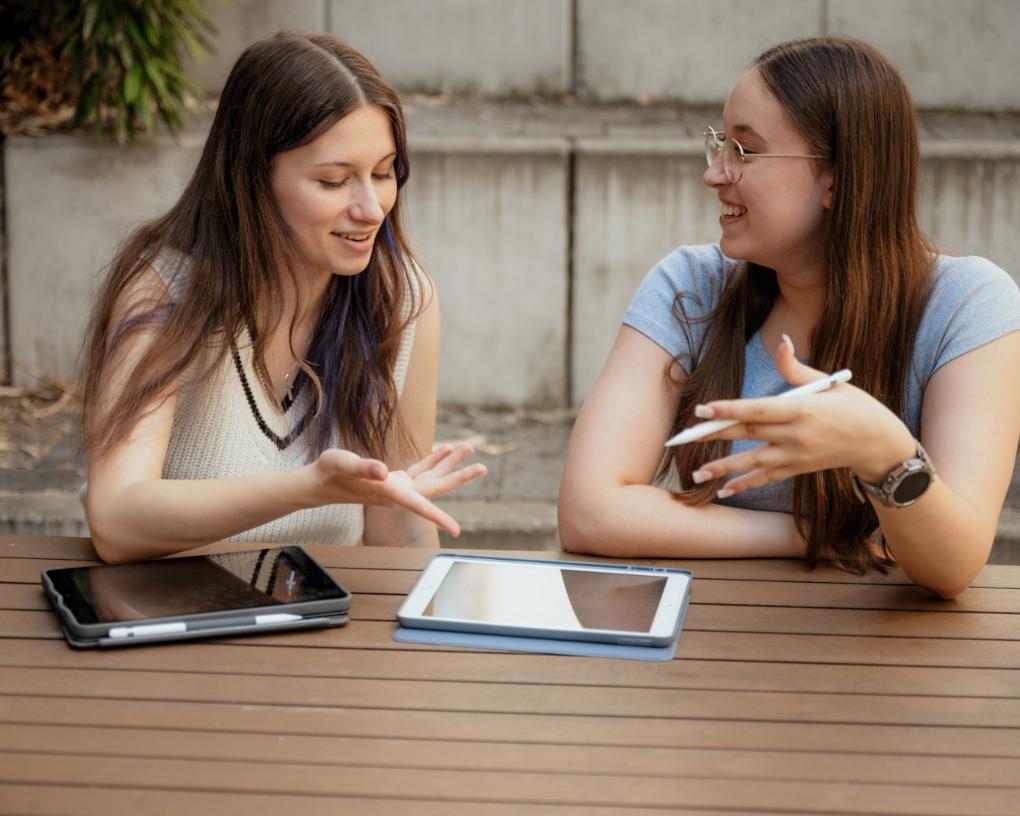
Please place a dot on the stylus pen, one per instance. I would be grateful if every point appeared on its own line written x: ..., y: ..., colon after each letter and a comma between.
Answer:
x: 703, y: 429
x: 146, y: 630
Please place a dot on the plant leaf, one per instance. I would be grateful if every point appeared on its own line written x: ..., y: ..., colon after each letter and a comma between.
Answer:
x: 132, y: 83
x: 91, y: 10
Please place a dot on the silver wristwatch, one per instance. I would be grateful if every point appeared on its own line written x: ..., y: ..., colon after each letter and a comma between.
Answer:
x: 903, y: 485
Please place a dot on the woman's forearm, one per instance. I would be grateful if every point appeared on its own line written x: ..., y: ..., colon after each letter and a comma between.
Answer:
x: 648, y: 521
x: 152, y: 518
x: 941, y: 541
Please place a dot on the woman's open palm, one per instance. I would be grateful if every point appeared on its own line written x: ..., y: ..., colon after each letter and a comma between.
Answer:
x: 347, y: 477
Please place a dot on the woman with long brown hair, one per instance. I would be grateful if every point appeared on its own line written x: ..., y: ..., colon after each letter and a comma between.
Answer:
x: 821, y: 266
x: 261, y: 361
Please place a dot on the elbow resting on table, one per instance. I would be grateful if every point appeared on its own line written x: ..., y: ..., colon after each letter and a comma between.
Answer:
x: 108, y: 550
x: 947, y: 588
x: 112, y: 542
x: 584, y: 528
x: 103, y: 531
x: 946, y: 576
x: 945, y: 591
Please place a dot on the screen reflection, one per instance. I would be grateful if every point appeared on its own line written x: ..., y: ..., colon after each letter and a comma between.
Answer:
x: 194, y: 584
x: 534, y: 595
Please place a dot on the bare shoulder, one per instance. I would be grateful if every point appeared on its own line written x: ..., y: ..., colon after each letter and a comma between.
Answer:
x: 146, y: 291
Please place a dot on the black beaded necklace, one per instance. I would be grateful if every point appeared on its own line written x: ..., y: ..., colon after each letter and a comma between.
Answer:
x: 281, y: 442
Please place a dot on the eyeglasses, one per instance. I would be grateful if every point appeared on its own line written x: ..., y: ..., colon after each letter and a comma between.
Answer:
x: 734, y: 156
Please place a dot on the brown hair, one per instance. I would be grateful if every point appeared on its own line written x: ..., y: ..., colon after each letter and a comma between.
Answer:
x: 282, y: 93
x: 852, y: 106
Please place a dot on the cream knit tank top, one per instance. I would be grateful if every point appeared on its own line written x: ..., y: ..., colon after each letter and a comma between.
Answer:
x: 215, y: 436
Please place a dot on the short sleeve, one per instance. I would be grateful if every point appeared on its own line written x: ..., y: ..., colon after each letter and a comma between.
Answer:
x: 972, y: 303
x: 695, y: 274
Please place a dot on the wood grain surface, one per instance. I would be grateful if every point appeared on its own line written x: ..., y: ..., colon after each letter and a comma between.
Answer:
x: 792, y: 691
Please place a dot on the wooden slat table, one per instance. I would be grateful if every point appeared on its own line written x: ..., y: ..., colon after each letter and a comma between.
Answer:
x: 792, y: 692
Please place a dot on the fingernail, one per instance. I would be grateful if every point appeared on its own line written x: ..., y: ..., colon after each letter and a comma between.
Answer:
x: 700, y: 476
x: 725, y: 493
x: 704, y: 412
x: 788, y: 342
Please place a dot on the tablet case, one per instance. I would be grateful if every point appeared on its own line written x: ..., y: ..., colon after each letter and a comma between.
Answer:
x: 316, y: 614
x: 223, y: 632
x: 507, y: 643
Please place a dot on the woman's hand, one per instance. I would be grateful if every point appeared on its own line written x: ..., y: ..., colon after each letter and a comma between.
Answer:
x: 840, y: 427
x: 342, y: 476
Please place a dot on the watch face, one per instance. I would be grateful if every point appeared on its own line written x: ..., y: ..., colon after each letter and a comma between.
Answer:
x: 912, y: 486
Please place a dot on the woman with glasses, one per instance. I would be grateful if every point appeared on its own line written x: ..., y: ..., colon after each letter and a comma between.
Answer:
x: 261, y: 362
x: 821, y: 266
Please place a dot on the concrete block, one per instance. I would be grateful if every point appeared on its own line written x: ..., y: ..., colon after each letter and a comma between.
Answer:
x: 5, y: 369
x: 487, y: 47
x: 489, y: 221
x: 71, y: 203
x: 5, y: 373
x: 687, y: 50
x: 959, y: 54
x: 970, y: 203
x: 634, y: 203
x: 242, y: 22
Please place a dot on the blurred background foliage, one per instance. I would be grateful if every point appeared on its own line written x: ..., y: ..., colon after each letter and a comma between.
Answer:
x: 112, y: 65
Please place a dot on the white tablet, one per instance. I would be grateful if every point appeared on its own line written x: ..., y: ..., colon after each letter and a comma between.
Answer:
x: 572, y: 600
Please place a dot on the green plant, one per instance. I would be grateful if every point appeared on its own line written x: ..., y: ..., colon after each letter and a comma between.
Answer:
x: 126, y: 59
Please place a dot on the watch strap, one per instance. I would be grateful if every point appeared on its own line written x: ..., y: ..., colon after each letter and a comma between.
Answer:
x: 885, y: 491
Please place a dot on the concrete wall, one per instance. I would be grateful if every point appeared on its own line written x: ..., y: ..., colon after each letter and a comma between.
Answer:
x: 536, y: 242
x: 488, y: 220
x: 688, y: 50
x: 492, y: 220
x: 957, y: 54
x: 636, y: 201
x: 954, y: 54
x: 242, y: 22
x: 972, y: 206
x: 5, y: 357
x: 487, y: 47
x: 70, y: 204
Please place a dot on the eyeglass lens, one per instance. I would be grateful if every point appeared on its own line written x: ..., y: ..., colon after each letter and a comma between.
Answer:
x: 731, y: 157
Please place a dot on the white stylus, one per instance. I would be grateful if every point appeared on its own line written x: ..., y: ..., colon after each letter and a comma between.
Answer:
x: 707, y: 428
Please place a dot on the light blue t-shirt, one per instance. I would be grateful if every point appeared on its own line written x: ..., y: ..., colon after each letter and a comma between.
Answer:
x: 972, y: 302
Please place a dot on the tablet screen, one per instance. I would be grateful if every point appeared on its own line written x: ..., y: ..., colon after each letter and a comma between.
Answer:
x: 195, y: 584
x: 547, y: 596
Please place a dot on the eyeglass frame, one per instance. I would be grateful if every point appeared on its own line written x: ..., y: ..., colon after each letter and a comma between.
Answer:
x: 717, y: 145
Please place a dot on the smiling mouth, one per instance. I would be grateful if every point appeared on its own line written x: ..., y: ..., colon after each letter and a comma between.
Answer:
x: 356, y: 237
x: 732, y: 210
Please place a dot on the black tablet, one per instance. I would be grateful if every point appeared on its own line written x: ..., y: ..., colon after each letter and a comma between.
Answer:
x: 220, y: 595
